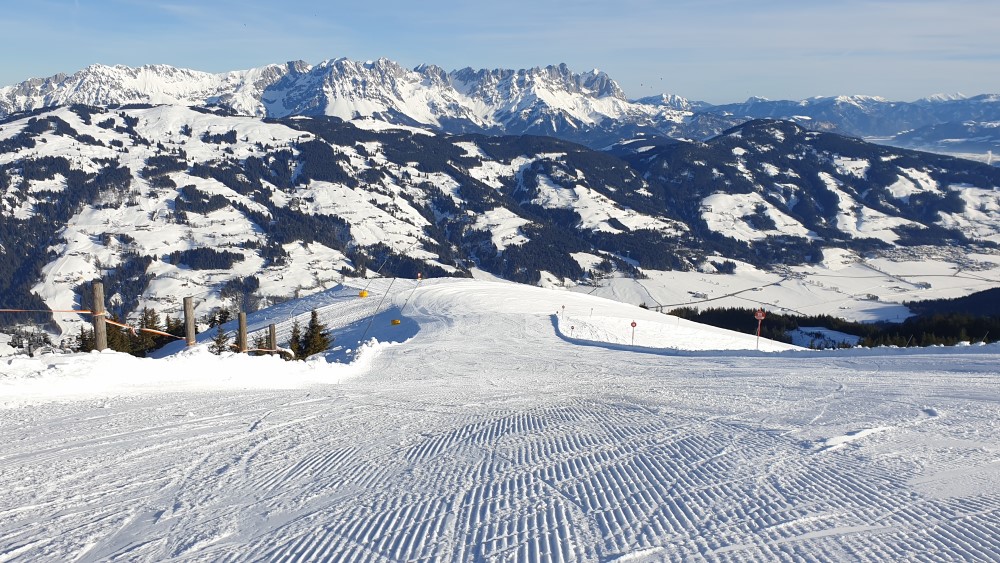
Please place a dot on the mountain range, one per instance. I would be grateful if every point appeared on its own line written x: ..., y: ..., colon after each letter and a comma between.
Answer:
x: 588, y: 108
x: 243, y: 211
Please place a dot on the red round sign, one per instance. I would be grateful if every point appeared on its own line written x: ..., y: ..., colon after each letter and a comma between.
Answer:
x: 759, y: 315
x: 633, y: 324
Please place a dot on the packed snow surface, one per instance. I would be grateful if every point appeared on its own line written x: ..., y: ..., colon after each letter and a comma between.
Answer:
x: 501, y: 422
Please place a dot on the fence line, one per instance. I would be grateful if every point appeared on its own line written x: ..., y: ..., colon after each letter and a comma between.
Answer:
x: 100, y: 319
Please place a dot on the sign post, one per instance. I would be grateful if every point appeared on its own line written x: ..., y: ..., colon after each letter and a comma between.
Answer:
x: 759, y: 315
x: 633, y: 333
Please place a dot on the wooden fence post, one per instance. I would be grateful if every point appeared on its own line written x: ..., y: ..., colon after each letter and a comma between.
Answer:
x: 241, y: 337
x: 272, y: 337
x: 100, y: 327
x: 189, y: 321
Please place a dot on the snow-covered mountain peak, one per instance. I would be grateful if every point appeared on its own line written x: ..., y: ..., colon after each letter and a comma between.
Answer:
x: 432, y: 70
x: 539, y: 100
x: 102, y: 85
x: 940, y: 97
x: 595, y: 83
x: 588, y: 107
x: 859, y: 100
x: 856, y: 100
x: 671, y: 101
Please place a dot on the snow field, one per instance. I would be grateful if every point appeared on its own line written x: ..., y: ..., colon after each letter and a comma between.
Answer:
x: 860, y: 221
x: 485, y: 434
x: 841, y: 285
x: 726, y: 213
x: 658, y: 333
x: 596, y: 210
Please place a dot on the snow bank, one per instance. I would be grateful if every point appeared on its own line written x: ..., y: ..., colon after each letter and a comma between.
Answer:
x: 66, y: 377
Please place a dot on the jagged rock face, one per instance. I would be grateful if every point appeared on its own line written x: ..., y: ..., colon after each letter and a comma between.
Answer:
x: 539, y: 100
x: 588, y: 108
x: 246, y: 98
x: 380, y: 90
x: 550, y: 100
x: 495, y: 86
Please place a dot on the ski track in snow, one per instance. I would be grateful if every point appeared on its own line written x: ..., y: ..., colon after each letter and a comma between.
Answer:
x: 488, y: 436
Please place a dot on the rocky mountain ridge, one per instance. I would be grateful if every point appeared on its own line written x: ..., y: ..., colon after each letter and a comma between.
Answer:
x: 588, y: 108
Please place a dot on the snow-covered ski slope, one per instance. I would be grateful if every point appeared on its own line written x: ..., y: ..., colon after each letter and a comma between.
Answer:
x: 491, y: 424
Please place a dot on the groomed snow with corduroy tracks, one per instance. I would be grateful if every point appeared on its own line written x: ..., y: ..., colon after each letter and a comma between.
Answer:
x: 501, y: 422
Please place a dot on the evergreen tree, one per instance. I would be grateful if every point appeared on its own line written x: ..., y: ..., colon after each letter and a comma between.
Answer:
x: 144, y: 342
x: 118, y: 338
x: 84, y: 342
x: 174, y: 326
x: 295, y: 342
x: 316, y: 339
x: 259, y: 343
x: 219, y: 317
x: 221, y: 341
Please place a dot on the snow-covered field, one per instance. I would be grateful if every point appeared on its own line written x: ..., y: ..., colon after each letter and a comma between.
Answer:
x: 502, y: 422
x: 843, y: 284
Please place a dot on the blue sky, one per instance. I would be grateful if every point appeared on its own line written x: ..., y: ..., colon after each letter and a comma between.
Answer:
x: 714, y: 50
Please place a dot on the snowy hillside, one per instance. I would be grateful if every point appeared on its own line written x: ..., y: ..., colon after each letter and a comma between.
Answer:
x: 774, y: 178
x: 492, y: 423
x: 165, y: 202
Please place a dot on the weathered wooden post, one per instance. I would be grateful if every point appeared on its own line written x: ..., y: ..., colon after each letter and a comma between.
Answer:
x: 241, y: 337
x: 189, y: 321
x: 272, y: 337
x: 100, y: 327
